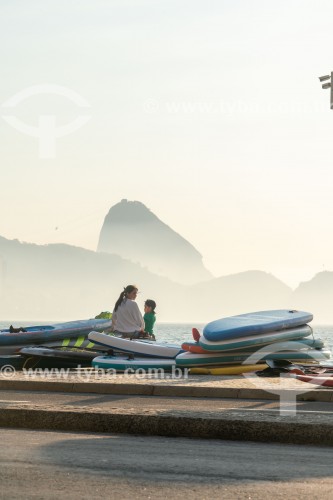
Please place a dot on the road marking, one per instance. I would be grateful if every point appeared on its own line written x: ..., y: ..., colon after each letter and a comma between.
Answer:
x: 277, y: 409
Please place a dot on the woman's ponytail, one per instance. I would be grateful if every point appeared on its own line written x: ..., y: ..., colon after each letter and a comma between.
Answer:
x: 122, y: 296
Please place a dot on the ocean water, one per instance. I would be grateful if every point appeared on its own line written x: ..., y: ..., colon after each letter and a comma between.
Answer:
x: 182, y: 332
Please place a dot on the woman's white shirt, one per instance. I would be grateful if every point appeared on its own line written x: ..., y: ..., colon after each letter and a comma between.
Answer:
x: 128, y: 318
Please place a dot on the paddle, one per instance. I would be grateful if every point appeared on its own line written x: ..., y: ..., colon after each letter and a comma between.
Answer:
x: 288, y: 366
x: 285, y: 365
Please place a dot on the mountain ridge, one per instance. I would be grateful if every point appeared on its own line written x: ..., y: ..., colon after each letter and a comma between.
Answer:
x: 62, y: 281
x: 132, y: 231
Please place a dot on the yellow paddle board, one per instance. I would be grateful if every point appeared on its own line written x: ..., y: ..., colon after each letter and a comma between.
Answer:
x: 228, y: 370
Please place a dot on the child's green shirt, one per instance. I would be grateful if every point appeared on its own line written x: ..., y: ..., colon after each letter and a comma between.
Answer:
x: 149, y: 319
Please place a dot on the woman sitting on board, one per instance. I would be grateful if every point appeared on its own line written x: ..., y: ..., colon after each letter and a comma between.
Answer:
x: 127, y: 320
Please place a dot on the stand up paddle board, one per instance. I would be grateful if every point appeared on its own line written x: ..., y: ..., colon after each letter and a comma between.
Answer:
x: 40, y: 334
x: 228, y: 370
x: 126, y: 363
x: 187, y: 359
x: 225, y: 358
x: 15, y: 361
x: 255, y: 340
x: 68, y: 354
x: 254, y: 323
x: 140, y: 347
x: 198, y: 349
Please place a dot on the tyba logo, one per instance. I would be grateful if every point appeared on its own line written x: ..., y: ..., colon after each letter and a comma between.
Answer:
x: 282, y: 387
x: 46, y: 132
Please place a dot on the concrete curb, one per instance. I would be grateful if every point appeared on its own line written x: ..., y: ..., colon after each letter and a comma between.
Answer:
x: 320, y: 395
x: 191, y: 425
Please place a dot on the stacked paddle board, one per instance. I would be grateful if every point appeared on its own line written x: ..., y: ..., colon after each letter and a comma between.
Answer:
x: 284, y: 334
x: 139, y: 354
x: 132, y: 364
x: 60, y: 333
x: 45, y: 357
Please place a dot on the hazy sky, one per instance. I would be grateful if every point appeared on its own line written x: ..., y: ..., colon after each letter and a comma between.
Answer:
x: 209, y: 112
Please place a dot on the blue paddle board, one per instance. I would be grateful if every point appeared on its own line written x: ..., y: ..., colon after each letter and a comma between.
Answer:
x: 40, y: 334
x: 314, y: 343
x: 255, y: 340
x: 126, y: 363
x: 187, y: 359
x: 196, y: 348
x: 254, y: 323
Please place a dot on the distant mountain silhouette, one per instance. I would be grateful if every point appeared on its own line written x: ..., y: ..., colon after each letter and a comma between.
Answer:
x: 132, y: 231
x: 246, y: 291
x: 64, y: 282
x: 316, y: 295
x: 60, y: 281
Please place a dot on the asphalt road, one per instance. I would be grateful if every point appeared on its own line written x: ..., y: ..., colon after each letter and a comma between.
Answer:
x: 47, y: 465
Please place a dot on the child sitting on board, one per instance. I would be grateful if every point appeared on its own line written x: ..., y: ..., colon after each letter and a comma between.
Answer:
x: 149, y: 318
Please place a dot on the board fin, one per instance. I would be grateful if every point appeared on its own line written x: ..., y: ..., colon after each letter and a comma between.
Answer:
x: 195, y: 334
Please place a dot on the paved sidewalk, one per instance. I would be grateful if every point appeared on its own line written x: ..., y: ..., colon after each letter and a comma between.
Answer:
x: 191, y: 407
x: 238, y: 386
